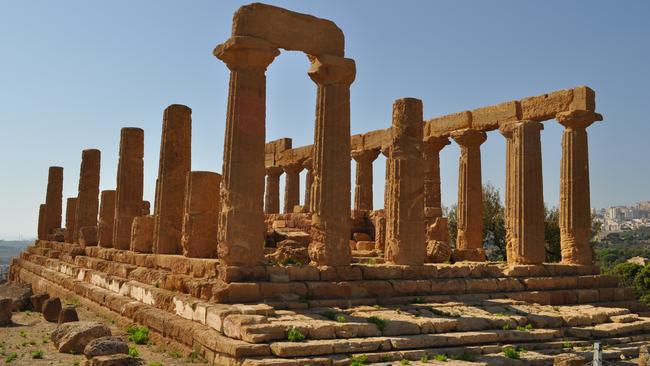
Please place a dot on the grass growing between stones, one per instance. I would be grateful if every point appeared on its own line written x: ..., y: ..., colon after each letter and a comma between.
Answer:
x: 528, y: 327
x: 379, y: 322
x: 138, y: 335
x: 294, y: 335
x: 133, y: 352
x: 358, y: 360
x: 512, y: 352
x: 442, y: 358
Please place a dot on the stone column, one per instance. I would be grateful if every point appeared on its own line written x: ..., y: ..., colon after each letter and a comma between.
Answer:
x: 53, y: 200
x: 70, y: 212
x: 385, y: 151
x: 272, y: 194
x: 291, y: 186
x: 331, y: 225
x: 431, y: 148
x: 309, y: 182
x: 241, y: 222
x: 524, y: 208
x: 128, y: 192
x: 201, y: 218
x: 142, y: 234
x: 469, y: 241
x: 106, y: 219
x: 575, y: 212
x: 363, y: 180
x: 405, y: 242
x: 88, y: 196
x: 41, y: 222
x: 175, y: 163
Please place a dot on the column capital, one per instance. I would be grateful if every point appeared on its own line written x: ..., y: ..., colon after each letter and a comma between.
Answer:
x: 469, y: 137
x: 433, y: 144
x: 243, y: 52
x: 508, y: 129
x: 308, y: 163
x: 295, y: 167
x: 578, y: 118
x: 328, y: 69
x: 274, y: 170
x: 364, y: 155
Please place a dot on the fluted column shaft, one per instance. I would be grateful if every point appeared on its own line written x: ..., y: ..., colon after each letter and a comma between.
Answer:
x: 575, y: 212
x: 272, y: 194
x: 291, y: 186
x: 106, y: 223
x: 331, y: 158
x: 431, y: 148
x: 241, y: 222
x: 129, y: 188
x: 88, y: 195
x: 41, y: 221
x: 524, y: 208
x: 70, y: 213
x: 53, y: 200
x: 363, y: 179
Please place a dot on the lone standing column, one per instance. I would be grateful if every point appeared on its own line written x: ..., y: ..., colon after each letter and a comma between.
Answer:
x: 432, y: 200
x: 363, y: 179
x: 241, y: 222
x: 88, y: 196
x: 41, y: 222
x: 175, y: 163
x: 128, y: 195
x: 70, y: 212
x: 272, y: 194
x: 524, y: 214
x: 331, y: 224
x: 469, y: 242
x: 575, y: 213
x: 405, y: 242
x: 201, y: 218
x: 309, y: 183
x: 53, y: 200
x: 106, y: 219
x: 291, y: 186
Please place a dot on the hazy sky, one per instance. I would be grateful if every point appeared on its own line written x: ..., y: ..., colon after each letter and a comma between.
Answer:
x: 72, y: 73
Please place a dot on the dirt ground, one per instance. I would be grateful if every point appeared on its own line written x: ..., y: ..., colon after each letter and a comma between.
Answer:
x: 29, y: 339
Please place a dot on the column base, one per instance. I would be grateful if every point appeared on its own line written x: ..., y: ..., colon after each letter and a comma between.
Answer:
x: 470, y: 255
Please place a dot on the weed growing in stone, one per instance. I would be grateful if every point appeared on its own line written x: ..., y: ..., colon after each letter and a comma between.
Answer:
x: 133, y: 352
x: 38, y: 354
x: 294, y: 335
x: 358, y: 360
x: 511, y: 353
x: 440, y: 357
x: 138, y: 335
x: 379, y: 322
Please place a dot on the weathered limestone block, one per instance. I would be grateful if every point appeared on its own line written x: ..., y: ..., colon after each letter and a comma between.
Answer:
x: 363, y: 180
x: 575, y: 212
x: 88, y: 196
x: 431, y: 148
x: 142, y: 234
x: 241, y: 222
x: 470, y: 195
x: 491, y: 117
x: 128, y: 196
x: 5, y: 312
x: 201, y: 219
x: 51, y: 309
x: 524, y: 211
x: 438, y: 230
x: 272, y: 193
x: 68, y: 314
x: 379, y: 220
x: 438, y: 251
x: 87, y: 236
x: 105, y: 226
x: 405, y: 242
x: 331, y: 159
x: 42, y: 213
x: 53, y: 200
x: 74, y: 336
x: 70, y: 212
x: 103, y: 346
x: 291, y: 186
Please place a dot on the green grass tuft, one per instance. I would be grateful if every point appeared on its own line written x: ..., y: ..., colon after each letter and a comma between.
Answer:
x: 379, y: 322
x: 294, y: 335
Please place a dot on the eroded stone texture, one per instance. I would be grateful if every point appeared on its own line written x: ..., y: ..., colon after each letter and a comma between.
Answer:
x: 87, y: 236
x: 88, y: 196
x: 575, y: 212
x: 405, y: 242
x: 128, y: 193
x: 106, y: 219
x: 201, y: 219
x: 42, y: 212
x: 431, y: 148
x: 70, y: 211
x: 363, y: 180
x: 470, y: 195
x: 380, y: 230
x: 524, y: 207
x: 291, y: 186
x: 241, y: 223
x: 146, y: 208
x: 142, y: 234
x: 272, y: 194
x: 309, y: 183
x: 331, y: 159
x: 175, y: 163
x: 53, y: 200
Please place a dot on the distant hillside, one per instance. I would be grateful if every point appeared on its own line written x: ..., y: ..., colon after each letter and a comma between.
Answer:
x: 12, y: 248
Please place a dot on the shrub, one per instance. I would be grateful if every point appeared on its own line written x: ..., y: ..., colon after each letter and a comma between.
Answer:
x: 358, y: 360
x: 133, y: 352
x: 642, y: 281
x: 38, y: 354
x: 511, y: 353
x: 379, y: 322
x: 442, y: 358
x: 294, y: 335
x: 626, y: 272
x: 11, y: 357
x: 138, y: 335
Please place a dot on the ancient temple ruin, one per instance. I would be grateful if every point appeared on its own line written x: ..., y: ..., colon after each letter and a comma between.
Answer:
x: 219, y: 268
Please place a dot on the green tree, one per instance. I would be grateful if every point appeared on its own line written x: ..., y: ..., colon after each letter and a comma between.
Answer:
x: 552, y: 234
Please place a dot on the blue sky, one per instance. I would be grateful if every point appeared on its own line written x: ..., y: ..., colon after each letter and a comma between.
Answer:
x: 72, y: 73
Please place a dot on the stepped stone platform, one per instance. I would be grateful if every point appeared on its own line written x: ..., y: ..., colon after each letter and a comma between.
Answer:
x: 383, y: 313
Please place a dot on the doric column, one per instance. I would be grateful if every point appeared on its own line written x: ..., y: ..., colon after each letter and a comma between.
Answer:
x: 524, y: 208
x: 201, y: 218
x: 272, y: 194
x: 106, y: 219
x: 53, y: 200
x: 385, y: 151
x: 331, y: 225
x: 70, y: 212
x: 405, y: 242
x: 575, y: 213
x: 41, y: 222
x: 142, y: 234
x: 128, y: 192
x: 291, y: 186
x: 363, y: 178
x: 175, y: 163
x: 241, y: 223
x: 469, y: 214
x: 309, y: 182
x: 88, y: 196
x: 431, y: 148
